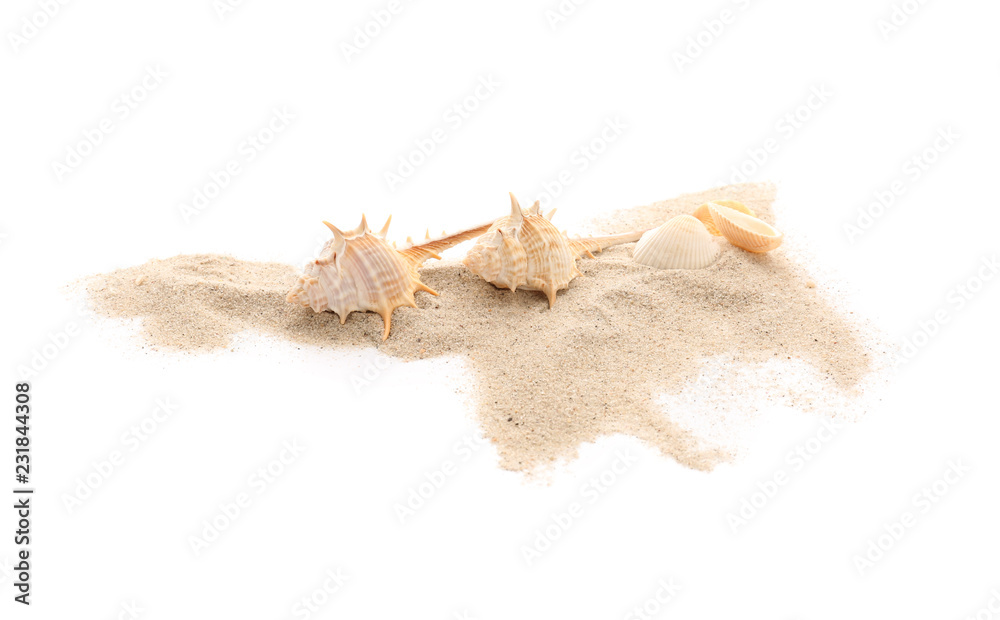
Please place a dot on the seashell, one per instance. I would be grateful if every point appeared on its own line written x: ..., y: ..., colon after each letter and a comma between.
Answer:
x: 524, y: 250
x: 359, y: 271
x: 680, y: 243
x: 705, y: 215
x: 745, y: 231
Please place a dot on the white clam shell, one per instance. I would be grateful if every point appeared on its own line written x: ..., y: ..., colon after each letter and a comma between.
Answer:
x: 682, y: 242
x: 745, y: 231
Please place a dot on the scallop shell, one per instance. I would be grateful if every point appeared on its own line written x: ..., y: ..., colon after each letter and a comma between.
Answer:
x: 359, y: 271
x: 705, y: 215
x: 745, y: 231
x: 524, y: 250
x: 680, y: 243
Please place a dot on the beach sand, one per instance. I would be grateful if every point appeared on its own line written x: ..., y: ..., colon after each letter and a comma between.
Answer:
x: 546, y: 381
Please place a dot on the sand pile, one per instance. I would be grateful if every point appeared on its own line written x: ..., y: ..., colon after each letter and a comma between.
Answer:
x: 547, y: 380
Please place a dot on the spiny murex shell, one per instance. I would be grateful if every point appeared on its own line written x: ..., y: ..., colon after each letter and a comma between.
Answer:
x: 745, y: 231
x: 524, y: 250
x: 359, y: 271
x: 682, y: 242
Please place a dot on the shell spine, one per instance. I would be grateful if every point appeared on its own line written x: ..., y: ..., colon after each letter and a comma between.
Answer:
x: 360, y: 271
x: 524, y: 250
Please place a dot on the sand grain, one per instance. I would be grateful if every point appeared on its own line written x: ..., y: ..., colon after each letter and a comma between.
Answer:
x: 547, y: 380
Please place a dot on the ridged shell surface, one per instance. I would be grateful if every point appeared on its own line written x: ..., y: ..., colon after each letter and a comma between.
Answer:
x: 745, y: 231
x: 681, y: 242
x: 359, y: 271
x: 367, y: 275
x: 704, y: 214
x: 524, y: 250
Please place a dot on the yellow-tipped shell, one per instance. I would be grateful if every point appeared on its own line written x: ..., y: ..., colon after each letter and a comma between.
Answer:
x: 745, y: 231
x: 705, y: 215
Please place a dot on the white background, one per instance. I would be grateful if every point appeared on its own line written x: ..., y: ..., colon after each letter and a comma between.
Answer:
x: 333, y: 507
